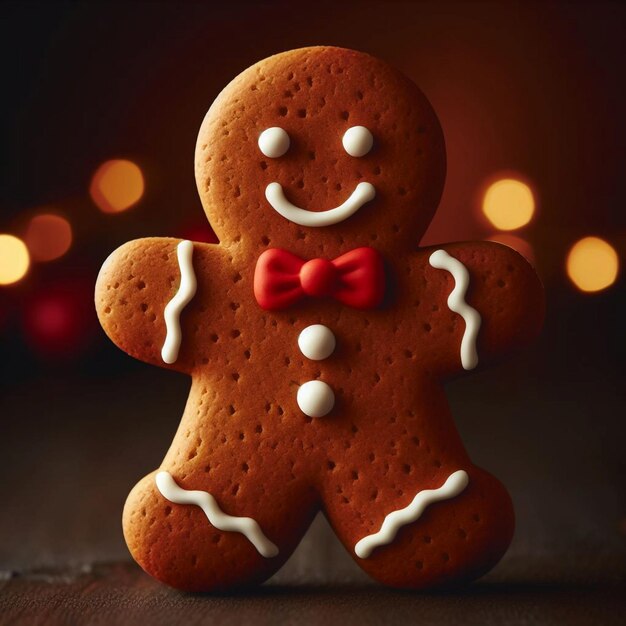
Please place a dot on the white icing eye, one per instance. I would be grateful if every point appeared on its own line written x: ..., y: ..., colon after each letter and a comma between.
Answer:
x: 274, y: 142
x: 357, y: 141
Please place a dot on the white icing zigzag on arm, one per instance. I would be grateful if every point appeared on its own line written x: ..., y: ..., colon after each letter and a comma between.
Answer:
x: 392, y: 523
x: 441, y: 260
x: 222, y: 521
x: 186, y: 291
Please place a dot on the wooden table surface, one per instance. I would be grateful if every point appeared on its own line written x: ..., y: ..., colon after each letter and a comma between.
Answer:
x: 122, y: 593
x: 73, y: 445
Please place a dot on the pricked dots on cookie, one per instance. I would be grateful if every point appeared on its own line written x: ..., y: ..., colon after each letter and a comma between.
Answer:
x: 318, y: 335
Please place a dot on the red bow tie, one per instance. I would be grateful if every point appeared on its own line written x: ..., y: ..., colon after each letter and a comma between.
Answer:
x: 356, y: 278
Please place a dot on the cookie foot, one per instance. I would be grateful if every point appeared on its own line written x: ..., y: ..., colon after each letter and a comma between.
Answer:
x: 183, y: 538
x: 457, y: 537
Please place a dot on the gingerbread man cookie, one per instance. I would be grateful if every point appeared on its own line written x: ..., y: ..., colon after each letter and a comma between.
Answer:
x: 318, y: 336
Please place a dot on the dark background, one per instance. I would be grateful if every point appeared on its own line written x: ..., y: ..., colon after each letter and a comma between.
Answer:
x: 536, y: 89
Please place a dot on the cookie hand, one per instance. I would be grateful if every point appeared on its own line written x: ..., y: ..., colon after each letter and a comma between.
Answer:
x: 490, y: 302
x: 145, y: 295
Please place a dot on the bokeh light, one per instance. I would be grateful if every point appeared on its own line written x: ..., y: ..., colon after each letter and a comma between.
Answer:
x: 509, y: 204
x: 59, y: 320
x: 117, y: 186
x: 517, y: 243
x: 14, y: 259
x: 592, y: 264
x: 48, y: 237
x: 197, y: 230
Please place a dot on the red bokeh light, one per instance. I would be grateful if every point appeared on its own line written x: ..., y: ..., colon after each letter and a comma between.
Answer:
x: 198, y: 230
x: 517, y: 243
x: 59, y: 320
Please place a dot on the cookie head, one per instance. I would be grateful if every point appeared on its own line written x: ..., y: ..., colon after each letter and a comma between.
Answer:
x: 324, y: 147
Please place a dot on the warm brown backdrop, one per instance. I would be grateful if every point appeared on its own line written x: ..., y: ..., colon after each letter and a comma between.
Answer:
x: 536, y: 88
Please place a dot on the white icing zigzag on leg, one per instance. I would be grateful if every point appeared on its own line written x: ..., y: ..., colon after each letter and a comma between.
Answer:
x: 441, y: 260
x: 392, y: 523
x: 222, y: 521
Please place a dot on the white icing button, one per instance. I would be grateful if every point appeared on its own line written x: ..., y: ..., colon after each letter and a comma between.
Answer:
x: 274, y: 142
x: 317, y: 342
x: 315, y: 398
x: 357, y: 141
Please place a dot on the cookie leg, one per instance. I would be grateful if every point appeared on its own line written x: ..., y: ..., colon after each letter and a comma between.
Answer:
x: 183, y: 536
x: 453, y: 532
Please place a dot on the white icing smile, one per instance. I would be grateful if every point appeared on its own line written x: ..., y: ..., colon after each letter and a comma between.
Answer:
x: 363, y: 192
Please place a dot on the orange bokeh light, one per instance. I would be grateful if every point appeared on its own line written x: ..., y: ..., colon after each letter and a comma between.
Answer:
x: 509, y: 204
x: 14, y: 259
x: 517, y: 243
x: 592, y: 264
x: 48, y: 236
x: 117, y: 186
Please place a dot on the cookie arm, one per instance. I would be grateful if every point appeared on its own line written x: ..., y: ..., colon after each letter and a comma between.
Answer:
x: 146, y: 292
x: 489, y: 301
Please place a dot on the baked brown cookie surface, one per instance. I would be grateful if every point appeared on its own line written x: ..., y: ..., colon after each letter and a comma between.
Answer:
x: 318, y: 335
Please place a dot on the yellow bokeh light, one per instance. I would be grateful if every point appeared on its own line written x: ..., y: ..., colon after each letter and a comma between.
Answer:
x: 14, y: 259
x: 592, y: 264
x: 117, y: 185
x: 509, y: 204
x: 48, y: 236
